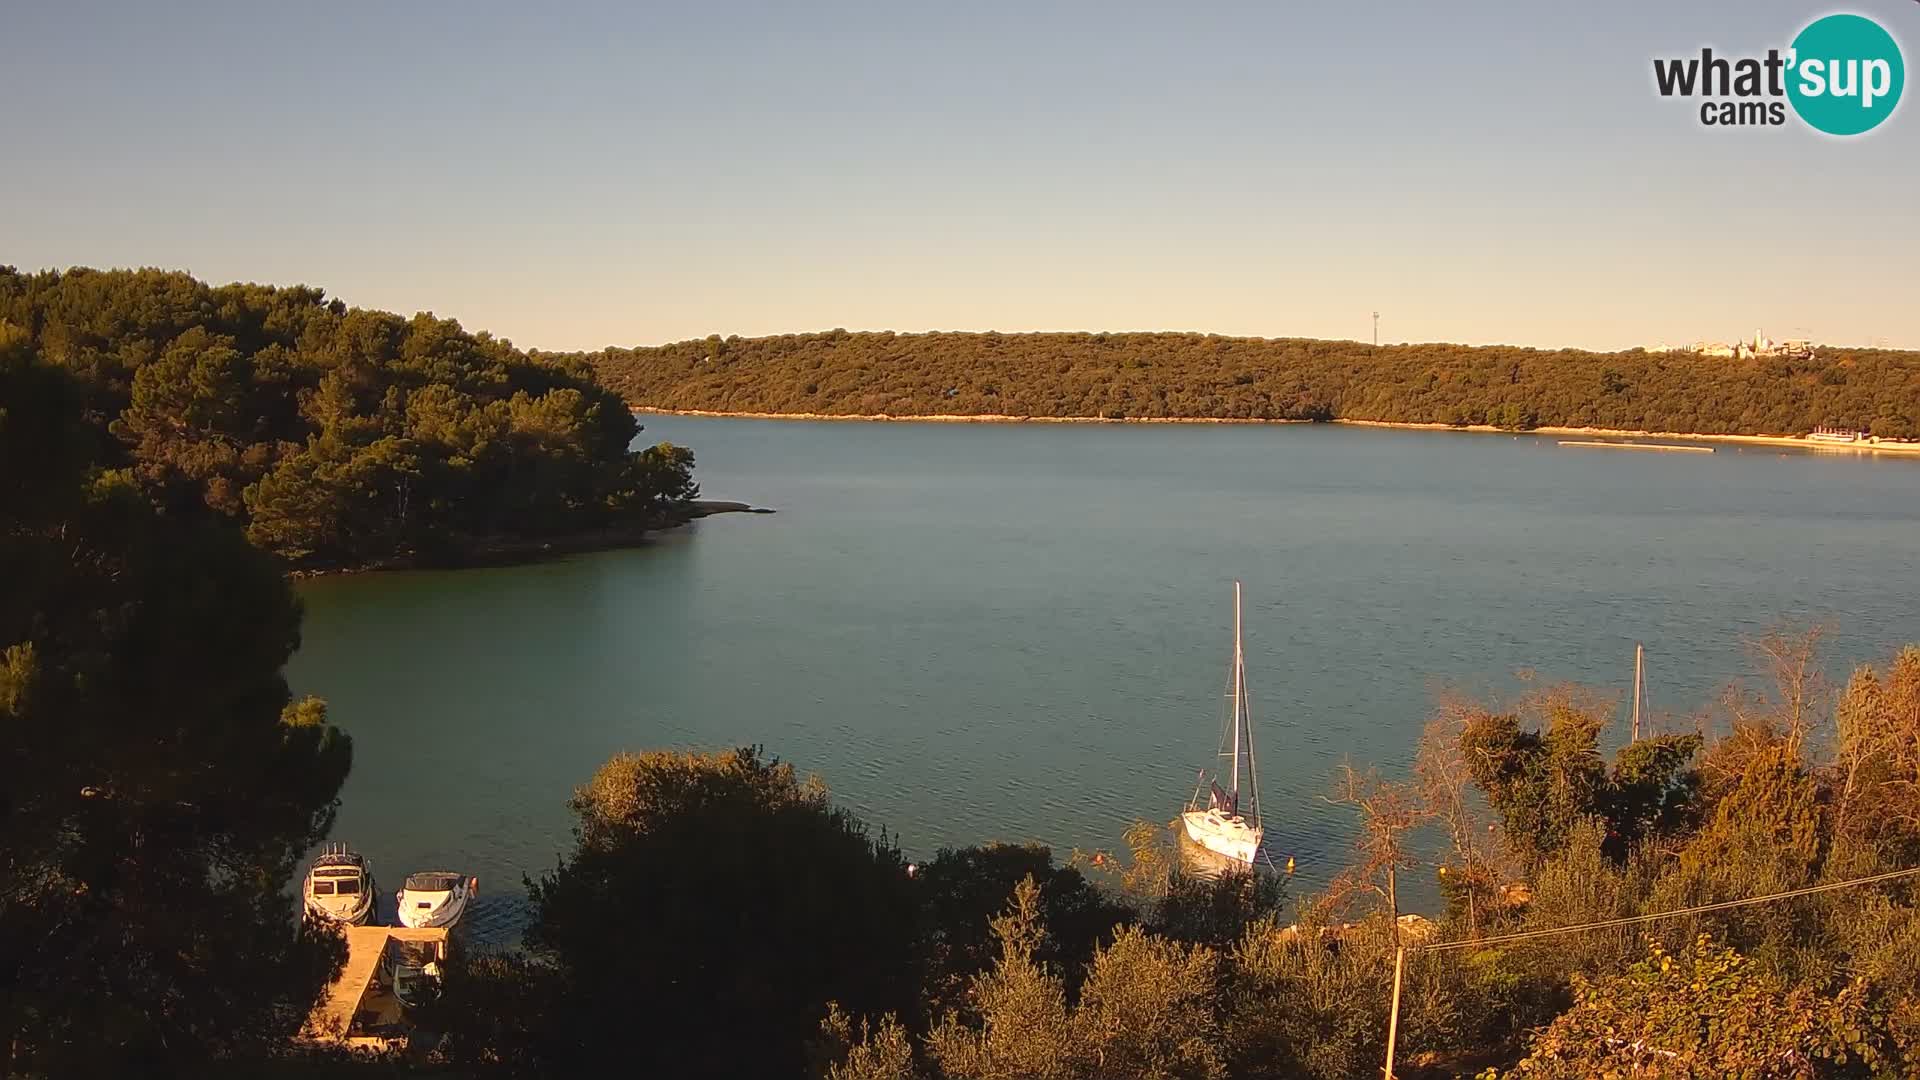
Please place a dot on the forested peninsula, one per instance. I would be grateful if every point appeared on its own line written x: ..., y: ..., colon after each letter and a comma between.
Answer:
x: 340, y: 437
x: 1160, y: 376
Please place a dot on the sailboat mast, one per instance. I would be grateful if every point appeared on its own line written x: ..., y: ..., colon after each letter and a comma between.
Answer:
x: 1239, y: 687
x: 1639, y: 660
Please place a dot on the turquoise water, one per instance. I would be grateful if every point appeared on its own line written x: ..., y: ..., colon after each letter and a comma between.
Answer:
x: 1020, y: 632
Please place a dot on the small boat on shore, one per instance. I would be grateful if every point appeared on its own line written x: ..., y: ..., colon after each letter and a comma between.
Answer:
x: 1218, y: 824
x: 339, y: 886
x: 435, y: 898
x: 414, y: 970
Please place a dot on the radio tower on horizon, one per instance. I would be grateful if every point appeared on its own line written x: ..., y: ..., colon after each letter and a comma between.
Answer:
x: 1376, y: 329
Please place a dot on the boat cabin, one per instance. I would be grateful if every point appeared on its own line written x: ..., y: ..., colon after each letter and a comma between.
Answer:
x: 339, y: 881
x: 339, y: 886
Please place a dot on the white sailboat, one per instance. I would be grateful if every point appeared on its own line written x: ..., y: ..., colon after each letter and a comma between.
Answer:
x: 1218, y: 824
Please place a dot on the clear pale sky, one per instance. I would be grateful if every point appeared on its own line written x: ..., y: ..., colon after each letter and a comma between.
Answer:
x: 626, y: 174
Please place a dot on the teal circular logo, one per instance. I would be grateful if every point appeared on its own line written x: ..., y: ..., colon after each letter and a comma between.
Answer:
x: 1846, y: 74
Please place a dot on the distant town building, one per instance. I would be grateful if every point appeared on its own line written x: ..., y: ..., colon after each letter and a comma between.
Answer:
x: 1829, y: 434
x: 1760, y: 345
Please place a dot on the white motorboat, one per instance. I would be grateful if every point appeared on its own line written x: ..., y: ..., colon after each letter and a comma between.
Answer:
x: 435, y: 898
x: 339, y: 886
x: 1218, y: 824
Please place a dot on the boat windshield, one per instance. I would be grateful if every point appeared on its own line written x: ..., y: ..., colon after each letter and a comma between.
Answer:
x: 437, y: 881
x: 343, y: 886
x: 323, y: 888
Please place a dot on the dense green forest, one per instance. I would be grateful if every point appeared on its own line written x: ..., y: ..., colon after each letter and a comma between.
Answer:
x: 338, y: 436
x: 157, y: 782
x: 1165, y: 375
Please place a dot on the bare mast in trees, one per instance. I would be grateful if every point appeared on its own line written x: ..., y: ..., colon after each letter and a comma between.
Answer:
x: 1389, y: 812
x: 1445, y: 780
x: 1639, y: 683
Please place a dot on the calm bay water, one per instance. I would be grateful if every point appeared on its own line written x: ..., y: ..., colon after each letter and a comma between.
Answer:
x: 978, y: 632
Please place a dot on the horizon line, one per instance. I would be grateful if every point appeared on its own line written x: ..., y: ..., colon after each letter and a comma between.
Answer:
x: 464, y: 325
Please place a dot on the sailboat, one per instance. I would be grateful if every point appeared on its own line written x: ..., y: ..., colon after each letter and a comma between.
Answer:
x: 1639, y: 688
x: 1219, y: 825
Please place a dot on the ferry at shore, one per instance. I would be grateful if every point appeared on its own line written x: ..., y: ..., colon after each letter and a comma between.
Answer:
x: 1838, y: 436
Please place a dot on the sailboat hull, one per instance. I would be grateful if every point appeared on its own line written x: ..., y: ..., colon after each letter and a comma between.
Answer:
x: 1227, y: 836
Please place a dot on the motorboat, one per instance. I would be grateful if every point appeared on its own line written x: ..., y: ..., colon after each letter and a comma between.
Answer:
x: 339, y: 886
x: 435, y: 898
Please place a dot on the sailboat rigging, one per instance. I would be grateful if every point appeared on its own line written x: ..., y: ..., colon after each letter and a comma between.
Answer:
x: 1219, y: 825
x: 1639, y: 684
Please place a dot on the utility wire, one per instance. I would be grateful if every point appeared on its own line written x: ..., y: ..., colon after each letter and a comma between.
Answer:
x: 1449, y: 946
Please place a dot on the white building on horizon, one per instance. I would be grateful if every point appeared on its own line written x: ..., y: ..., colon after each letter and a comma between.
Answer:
x: 1760, y: 345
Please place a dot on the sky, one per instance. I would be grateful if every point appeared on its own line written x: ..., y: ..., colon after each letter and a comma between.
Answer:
x: 628, y: 174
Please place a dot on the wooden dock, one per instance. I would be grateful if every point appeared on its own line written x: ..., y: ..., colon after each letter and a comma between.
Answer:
x: 357, y: 1011
x: 1670, y: 447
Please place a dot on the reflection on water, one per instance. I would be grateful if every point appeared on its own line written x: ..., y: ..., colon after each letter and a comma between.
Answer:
x: 977, y: 632
x: 1202, y: 862
x: 496, y: 919
x: 1205, y: 863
